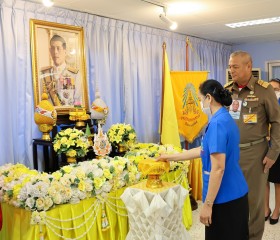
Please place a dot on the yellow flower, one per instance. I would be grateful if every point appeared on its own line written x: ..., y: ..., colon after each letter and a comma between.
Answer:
x: 98, y: 182
x: 131, y: 136
x: 67, y: 168
x: 16, y: 190
x: 81, y: 185
x: 64, y: 140
x: 57, y: 146
x: 57, y: 175
x: 71, y: 153
x: 107, y: 173
x: 80, y: 174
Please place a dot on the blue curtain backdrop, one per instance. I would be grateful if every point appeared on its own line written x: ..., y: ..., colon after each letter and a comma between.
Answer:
x: 124, y: 62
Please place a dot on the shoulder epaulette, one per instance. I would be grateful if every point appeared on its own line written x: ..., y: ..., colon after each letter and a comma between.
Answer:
x: 263, y: 83
x: 46, y: 68
x: 72, y: 70
x: 228, y: 84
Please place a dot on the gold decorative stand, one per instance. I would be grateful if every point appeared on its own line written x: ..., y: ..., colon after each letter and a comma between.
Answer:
x: 79, y: 115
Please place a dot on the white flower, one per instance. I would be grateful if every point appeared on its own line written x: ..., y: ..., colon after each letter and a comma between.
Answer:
x: 75, y: 196
x: 40, y: 203
x: 98, y: 173
x: 40, y: 189
x: 107, y: 186
x: 30, y: 202
x: 23, y: 194
x: 88, y: 185
x: 48, y: 202
x: 65, y: 181
x: 57, y: 198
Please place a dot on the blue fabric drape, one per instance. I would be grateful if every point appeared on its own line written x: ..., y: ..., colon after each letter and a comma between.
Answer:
x: 210, y: 56
x: 124, y: 62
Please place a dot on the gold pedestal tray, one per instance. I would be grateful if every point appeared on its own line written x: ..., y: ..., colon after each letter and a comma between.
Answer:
x: 79, y: 115
x: 154, y: 170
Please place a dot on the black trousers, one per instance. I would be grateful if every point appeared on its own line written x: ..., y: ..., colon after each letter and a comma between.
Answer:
x: 229, y: 221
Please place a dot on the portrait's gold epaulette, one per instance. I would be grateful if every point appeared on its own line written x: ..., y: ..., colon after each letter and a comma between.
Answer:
x: 228, y: 84
x: 73, y: 70
x: 46, y: 68
x: 263, y: 83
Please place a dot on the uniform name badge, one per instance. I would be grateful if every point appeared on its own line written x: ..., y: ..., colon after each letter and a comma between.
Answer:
x: 250, y: 118
x: 235, y: 108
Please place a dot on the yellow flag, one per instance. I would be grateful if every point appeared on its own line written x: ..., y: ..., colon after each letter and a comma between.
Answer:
x: 169, y: 125
x: 190, y: 117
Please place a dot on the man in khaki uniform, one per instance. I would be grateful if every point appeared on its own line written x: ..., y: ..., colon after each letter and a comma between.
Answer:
x: 62, y: 82
x: 259, y: 109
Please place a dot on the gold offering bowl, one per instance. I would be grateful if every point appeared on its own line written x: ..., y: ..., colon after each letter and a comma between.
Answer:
x: 154, y: 170
x: 79, y: 115
x: 45, y: 129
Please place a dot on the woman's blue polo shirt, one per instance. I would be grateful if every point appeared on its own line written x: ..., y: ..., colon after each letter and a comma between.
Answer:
x: 222, y: 136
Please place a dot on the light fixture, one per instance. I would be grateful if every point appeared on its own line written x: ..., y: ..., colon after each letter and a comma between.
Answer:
x: 172, y: 25
x: 48, y: 3
x: 254, y: 22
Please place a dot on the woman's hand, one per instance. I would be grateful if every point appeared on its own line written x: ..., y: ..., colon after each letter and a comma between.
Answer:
x: 163, y: 158
x: 206, y: 215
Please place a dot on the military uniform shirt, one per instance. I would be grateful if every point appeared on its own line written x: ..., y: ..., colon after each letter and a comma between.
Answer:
x: 265, y: 105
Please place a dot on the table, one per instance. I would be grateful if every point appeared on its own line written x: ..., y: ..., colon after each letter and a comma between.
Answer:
x: 155, y: 213
x: 49, y: 156
x: 16, y: 221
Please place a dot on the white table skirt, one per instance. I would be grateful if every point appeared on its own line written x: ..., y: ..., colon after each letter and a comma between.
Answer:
x: 155, y: 214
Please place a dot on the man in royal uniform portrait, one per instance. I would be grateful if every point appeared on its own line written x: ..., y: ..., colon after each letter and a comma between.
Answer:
x: 62, y: 82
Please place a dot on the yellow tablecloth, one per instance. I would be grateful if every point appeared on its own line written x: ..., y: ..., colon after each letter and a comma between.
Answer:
x: 16, y: 221
x: 195, y: 178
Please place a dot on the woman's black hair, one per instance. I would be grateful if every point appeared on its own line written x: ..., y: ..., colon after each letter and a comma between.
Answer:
x: 216, y: 90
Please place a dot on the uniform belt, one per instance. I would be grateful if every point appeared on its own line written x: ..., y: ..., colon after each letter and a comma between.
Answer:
x: 244, y: 145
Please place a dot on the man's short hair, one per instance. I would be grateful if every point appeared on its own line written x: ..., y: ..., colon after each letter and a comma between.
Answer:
x: 242, y: 54
x: 58, y: 38
x: 275, y: 80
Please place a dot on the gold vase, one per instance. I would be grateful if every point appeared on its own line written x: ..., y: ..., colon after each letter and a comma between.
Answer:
x: 154, y: 181
x: 122, y: 148
x: 71, y: 159
x: 45, y: 129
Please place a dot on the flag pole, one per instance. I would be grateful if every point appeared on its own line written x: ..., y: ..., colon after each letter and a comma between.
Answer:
x: 162, y: 85
x: 187, y: 69
x: 187, y: 54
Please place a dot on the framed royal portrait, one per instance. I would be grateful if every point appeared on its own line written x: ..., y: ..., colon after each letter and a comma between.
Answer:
x: 58, y: 65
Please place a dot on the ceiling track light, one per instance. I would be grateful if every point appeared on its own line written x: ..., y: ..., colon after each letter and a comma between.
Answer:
x: 48, y: 3
x: 172, y: 25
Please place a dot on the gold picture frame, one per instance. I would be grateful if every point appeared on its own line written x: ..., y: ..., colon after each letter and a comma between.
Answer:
x: 58, y: 64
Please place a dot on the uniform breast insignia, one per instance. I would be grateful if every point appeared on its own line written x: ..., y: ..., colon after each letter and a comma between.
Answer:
x: 251, y: 98
x: 263, y: 83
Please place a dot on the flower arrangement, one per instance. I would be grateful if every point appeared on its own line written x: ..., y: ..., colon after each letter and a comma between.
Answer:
x: 72, y: 142
x: 35, y: 191
x: 143, y: 151
x: 40, y: 191
x: 121, y: 133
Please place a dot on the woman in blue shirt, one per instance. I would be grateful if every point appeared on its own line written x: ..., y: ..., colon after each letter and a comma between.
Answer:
x: 225, y: 210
